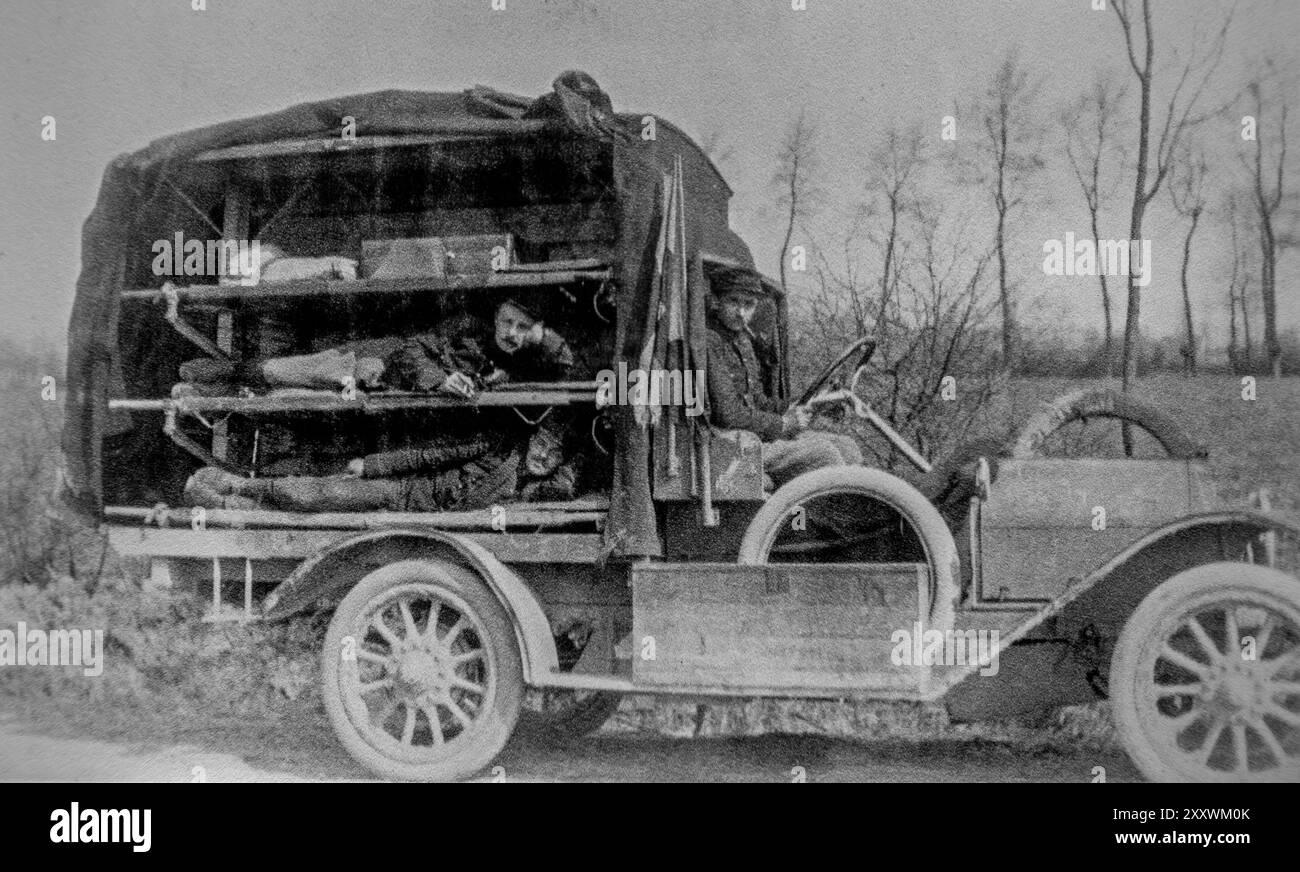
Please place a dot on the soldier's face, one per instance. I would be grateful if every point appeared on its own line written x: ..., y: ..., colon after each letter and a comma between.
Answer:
x: 544, y: 453
x: 515, y: 329
x: 735, y: 309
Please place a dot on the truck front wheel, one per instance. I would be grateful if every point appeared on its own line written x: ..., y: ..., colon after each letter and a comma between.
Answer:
x: 1205, y: 678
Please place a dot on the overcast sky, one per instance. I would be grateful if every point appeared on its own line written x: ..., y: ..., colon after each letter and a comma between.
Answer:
x: 119, y: 73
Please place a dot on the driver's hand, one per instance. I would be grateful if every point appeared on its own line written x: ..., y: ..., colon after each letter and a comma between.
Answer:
x: 458, y: 385
x: 796, y: 419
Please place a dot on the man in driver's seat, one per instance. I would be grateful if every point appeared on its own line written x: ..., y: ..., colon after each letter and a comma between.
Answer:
x: 738, y: 400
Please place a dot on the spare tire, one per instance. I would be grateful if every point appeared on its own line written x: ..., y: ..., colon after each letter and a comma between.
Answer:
x: 1104, y: 403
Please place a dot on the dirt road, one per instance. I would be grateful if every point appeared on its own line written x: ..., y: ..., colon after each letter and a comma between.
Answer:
x: 308, y: 752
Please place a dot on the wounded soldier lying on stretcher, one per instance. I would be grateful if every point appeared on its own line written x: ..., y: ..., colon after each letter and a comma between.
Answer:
x: 460, y: 358
x: 472, y: 475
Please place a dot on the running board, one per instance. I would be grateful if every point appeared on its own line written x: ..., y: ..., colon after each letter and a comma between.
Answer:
x: 615, y: 684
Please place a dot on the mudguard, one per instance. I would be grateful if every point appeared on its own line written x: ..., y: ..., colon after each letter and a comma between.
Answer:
x: 1245, y: 522
x: 335, y: 569
x: 1100, y: 601
x: 930, y: 528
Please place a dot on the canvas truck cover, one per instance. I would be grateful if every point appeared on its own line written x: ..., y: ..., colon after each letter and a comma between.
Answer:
x: 642, y: 166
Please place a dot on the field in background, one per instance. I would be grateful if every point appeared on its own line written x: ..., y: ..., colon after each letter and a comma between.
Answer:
x: 167, y: 674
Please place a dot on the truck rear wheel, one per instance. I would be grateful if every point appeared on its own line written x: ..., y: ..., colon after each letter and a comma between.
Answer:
x: 422, y: 677
x: 1205, y: 678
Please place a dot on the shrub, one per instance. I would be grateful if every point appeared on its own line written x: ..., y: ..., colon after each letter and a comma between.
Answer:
x: 160, y: 659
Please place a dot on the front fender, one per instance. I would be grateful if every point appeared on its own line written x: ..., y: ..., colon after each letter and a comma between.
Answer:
x: 339, y: 567
x: 1034, y: 649
x: 1110, y: 593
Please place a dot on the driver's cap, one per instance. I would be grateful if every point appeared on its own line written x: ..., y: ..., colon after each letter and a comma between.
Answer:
x: 735, y: 281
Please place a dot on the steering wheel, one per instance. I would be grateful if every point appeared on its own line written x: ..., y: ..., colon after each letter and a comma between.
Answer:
x: 861, y: 408
x: 868, y: 347
x: 826, y: 399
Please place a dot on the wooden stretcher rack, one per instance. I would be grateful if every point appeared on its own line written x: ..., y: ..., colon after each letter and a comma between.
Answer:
x: 564, y: 394
x: 590, y: 512
x: 328, y: 402
x: 504, y: 279
x: 230, y: 298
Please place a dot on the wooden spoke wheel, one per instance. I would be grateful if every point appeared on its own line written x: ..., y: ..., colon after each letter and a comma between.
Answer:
x: 422, y: 677
x: 1205, y: 679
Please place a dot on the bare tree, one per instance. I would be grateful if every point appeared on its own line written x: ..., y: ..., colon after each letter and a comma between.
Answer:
x: 1236, y: 283
x: 1155, y: 154
x: 906, y: 271
x: 1091, y: 131
x: 879, y: 223
x: 1187, y: 192
x: 797, y: 166
x: 941, y: 328
x: 1009, y: 156
x: 894, y: 180
x: 1268, y: 196
x: 1245, y: 253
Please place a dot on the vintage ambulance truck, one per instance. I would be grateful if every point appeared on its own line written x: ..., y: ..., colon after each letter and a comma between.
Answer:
x: 677, y: 571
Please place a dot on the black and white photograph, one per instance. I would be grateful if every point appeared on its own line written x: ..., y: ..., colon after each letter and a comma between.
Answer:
x: 778, y: 391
